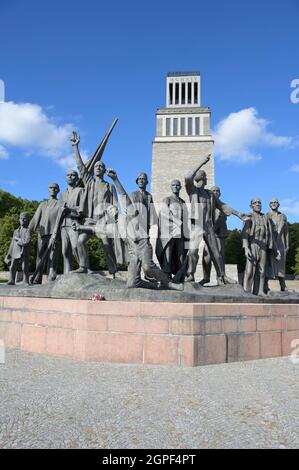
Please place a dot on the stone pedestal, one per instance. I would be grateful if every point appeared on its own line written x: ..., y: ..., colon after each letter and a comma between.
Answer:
x: 178, y: 334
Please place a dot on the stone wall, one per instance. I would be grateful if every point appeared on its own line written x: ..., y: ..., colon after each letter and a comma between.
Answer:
x: 149, y: 332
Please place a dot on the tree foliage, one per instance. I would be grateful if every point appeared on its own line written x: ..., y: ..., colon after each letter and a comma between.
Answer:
x: 10, y: 209
x: 97, y: 256
x: 234, y: 253
x: 294, y: 245
x: 296, y: 268
x: 10, y: 204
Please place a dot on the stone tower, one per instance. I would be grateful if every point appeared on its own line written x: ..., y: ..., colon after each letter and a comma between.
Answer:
x: 183, y: 134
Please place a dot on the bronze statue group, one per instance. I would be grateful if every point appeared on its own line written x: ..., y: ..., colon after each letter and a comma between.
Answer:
x: 91, y: 206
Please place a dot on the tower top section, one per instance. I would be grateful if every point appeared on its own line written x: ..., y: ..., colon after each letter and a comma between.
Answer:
x: 183, y: 89
x: 183, y: 74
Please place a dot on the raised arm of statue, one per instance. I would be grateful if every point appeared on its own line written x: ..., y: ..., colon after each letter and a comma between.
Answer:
x: 85, y: 175
x: 114, y: 196
x: 112, y: 174
x: 189, y: 177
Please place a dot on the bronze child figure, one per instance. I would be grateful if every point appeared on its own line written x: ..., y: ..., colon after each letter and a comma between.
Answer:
x: 19, y: 250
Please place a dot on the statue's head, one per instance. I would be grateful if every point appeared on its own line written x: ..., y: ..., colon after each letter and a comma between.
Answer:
x: 176, y: 187
x: 216, y: 191
x: 256, y: 204
x: 72, y: 177
x: 142, y: 180
x: 53, y: 189
x: 200, y: 179
x: 274, y: 204
x: 24, y: 219
x: 99, y: 169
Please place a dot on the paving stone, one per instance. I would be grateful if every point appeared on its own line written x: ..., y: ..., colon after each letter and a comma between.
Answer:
x: 48, y: 402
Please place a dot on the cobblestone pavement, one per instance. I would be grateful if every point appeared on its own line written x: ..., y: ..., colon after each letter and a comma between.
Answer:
x: 59, y: 403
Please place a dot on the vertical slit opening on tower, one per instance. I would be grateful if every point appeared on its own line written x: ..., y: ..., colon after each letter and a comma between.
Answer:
x: 176, y: 93
x: 170, y: 93
x: 168, y: 126
x: 195, y: 93
x: 190, y: 125
x: 183, y: 93
x: 197, y: 131
x: 175, y: 126
x: 189, y: 92
x: 182, y: 126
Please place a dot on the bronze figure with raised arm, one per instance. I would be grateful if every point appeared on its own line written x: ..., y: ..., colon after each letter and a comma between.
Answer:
x: 203, y: 202
x: 99, y: 195
x: 139, y: 247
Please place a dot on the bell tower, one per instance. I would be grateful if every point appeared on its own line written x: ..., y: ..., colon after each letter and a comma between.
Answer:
x: 183, y: 134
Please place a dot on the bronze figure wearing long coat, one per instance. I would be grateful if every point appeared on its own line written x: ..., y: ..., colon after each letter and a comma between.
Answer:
x: 172, y: 223
x: 280, y: 233
x: 98, y: 196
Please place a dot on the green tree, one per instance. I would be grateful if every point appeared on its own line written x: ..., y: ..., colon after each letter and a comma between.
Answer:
x: 296, y: 268
x: 97, y: 256
x: 10, y: 204
x: 294, y: 245
x: 234, y: 253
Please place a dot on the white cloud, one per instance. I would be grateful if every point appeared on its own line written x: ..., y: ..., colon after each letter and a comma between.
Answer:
x: 2, y: 91
x: 295, y: 168
x: 4, y: 155
x: 66, y: 162
x: 28, y: 127
x: 290, y: 206
x: 240, y: 134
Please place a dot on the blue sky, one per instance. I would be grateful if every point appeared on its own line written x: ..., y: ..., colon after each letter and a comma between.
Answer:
x: 80, y: 64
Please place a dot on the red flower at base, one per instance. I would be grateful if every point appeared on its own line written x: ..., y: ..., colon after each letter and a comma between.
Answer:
x: 97, y: 297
